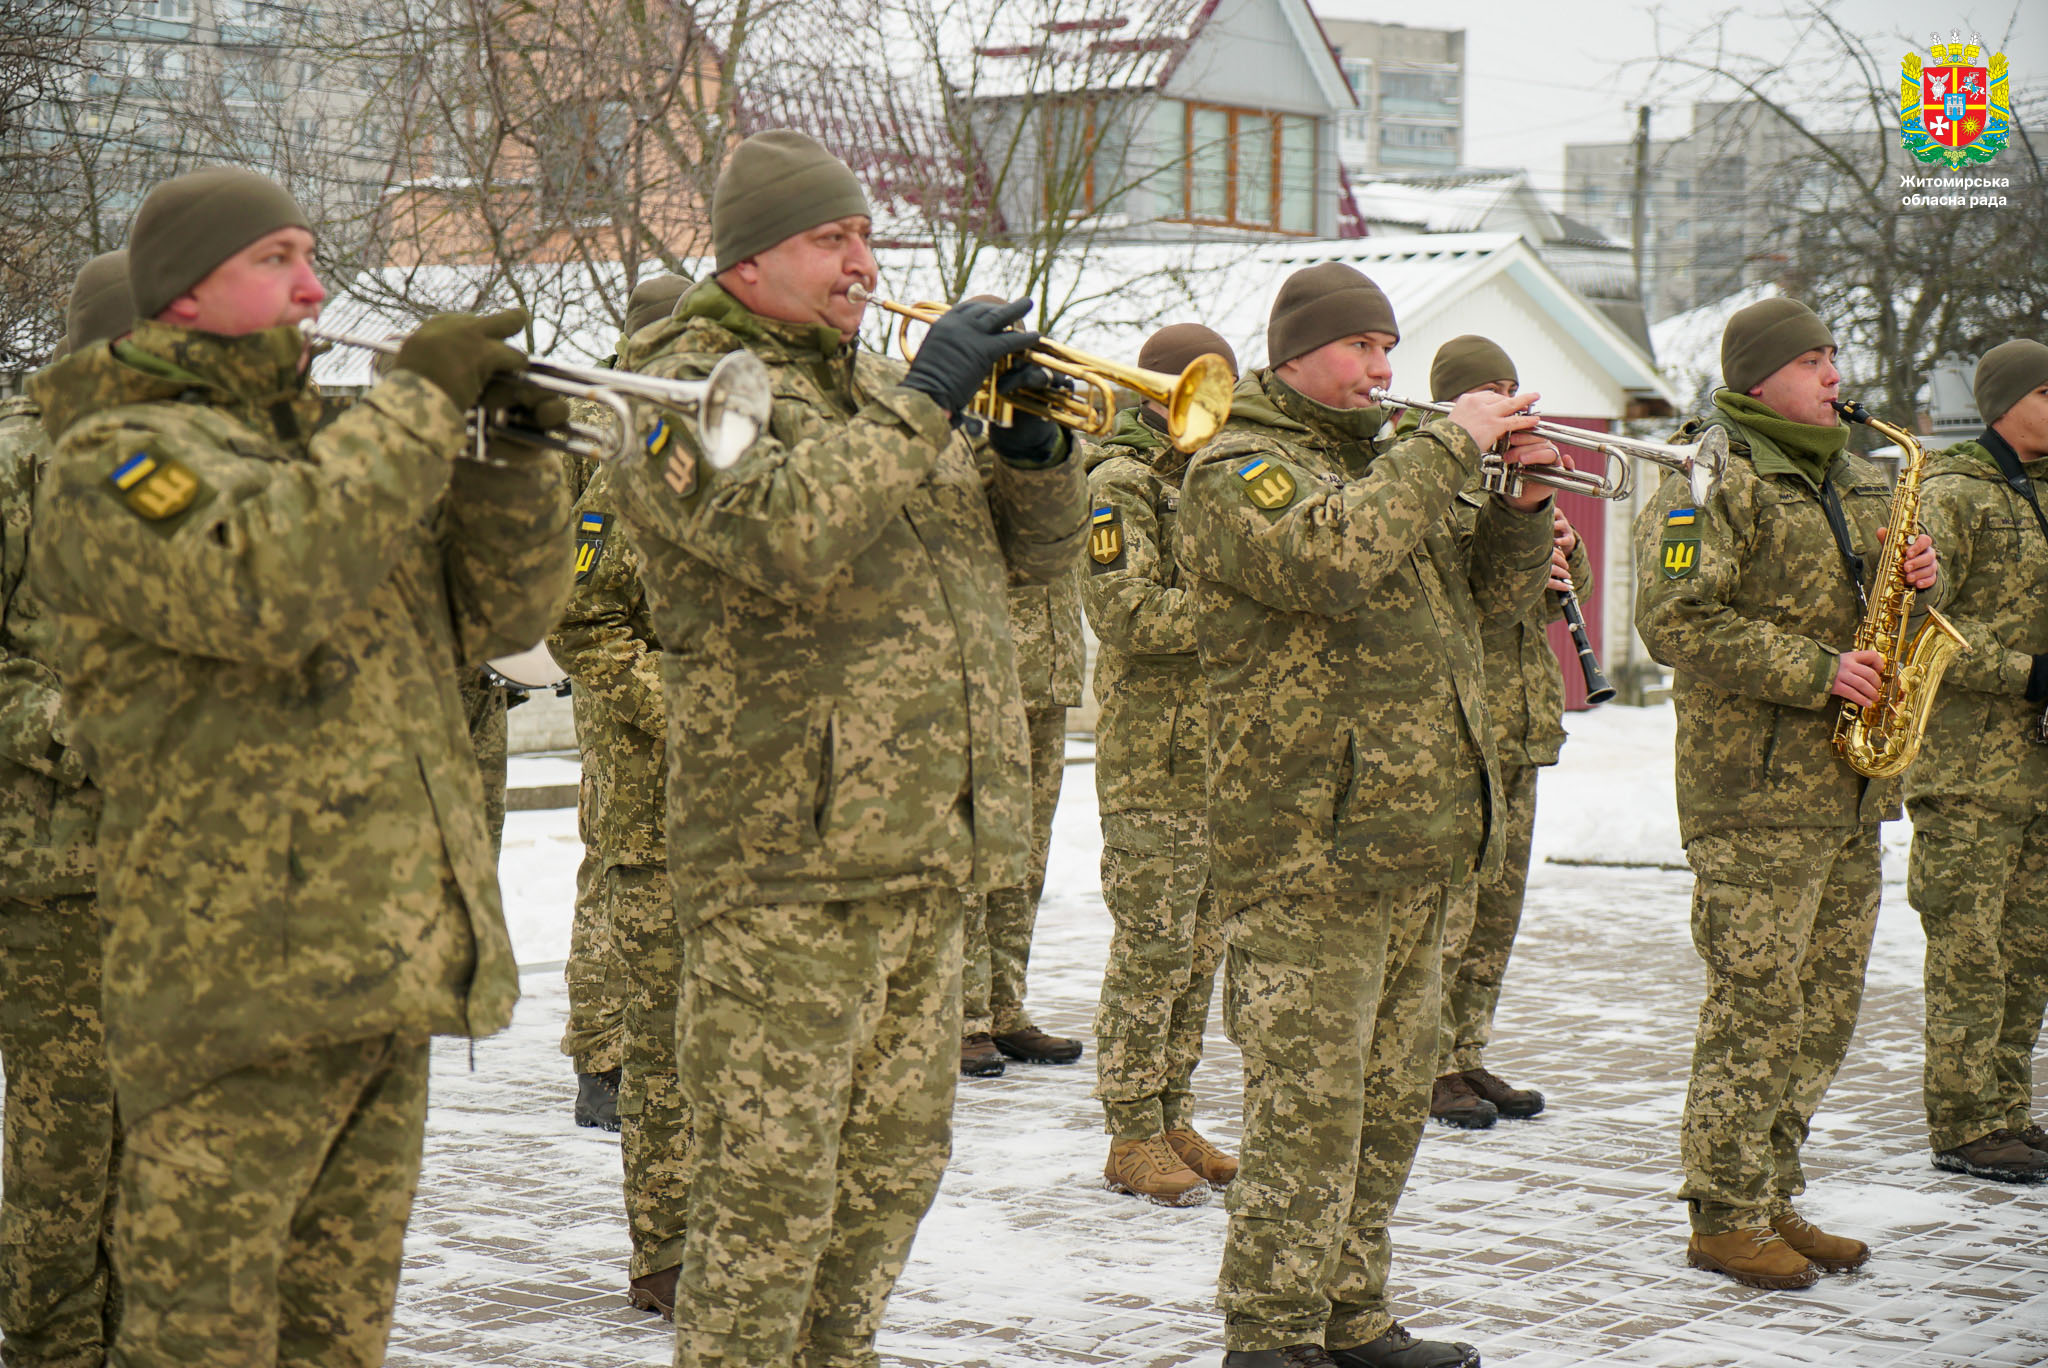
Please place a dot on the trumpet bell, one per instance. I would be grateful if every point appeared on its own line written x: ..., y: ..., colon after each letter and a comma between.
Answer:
x: 1709, y: 460
x: 738, y: 397
x: 1198, y: 403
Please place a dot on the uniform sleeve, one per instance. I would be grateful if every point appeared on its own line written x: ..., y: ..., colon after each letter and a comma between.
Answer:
x: 1688, y: 621
x: 1581, y: 567
x: 1130, y: 600
x: 1326, y: 548
x: 264, y: 555
x: 1041, y: 517
x: 1952, y: 512
x: 1510, y: 559
x: 788, y: 515
x: 599, y: 641
x: 510, y: 549
x: 30, y: 695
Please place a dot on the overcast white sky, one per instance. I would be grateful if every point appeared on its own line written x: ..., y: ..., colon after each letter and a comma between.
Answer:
x: 1539, y: 76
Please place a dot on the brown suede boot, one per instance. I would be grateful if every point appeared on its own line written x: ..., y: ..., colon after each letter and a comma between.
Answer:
x: 655, y: 1292
x: 1149, y: 1169
x: 1756, y: 1257
x: 1833, y: 1253
x: 1453, y: 1102
x: 979, y: 1057
x: 1194, y: 1150
x: 2034, y: 1137
x: 2001, y: 1156
x: 1519, y: 1103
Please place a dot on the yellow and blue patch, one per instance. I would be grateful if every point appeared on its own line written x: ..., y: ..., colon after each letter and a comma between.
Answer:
x: 591, y: 530
x: 658, y: 437
x: 155, y: 487
x: 1105, y: 538
x: 1681, y: 517
x: 1266, y: 483
x: 1678, y: 554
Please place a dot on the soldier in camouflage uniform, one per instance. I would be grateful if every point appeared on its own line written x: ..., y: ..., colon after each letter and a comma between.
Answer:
x: 1749, y: 597
x: 1352, y: 787
x: 847, y: 754
x: 1149, y: 768
x: 1525, y: 698
x: 1045, y: 621
x: 606, y: 642
x: 594, y: 1035
x: 484, y: 704
x: 58, y: 1300
x: 1979, y: 790
x: 258, y: 601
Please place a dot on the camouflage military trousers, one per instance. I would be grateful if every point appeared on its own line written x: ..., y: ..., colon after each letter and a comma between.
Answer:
x: 999, y: 927
x: 485, y: 706
x: 1783, y: 918
x: 1335, y: 1006
x: 1161, y: 971
x: 594, y: 1035
x: 1479, y: 933
x: 58, y: 1302
x: 818, y: 1045
x: 654, y: 1132
x: 1979, y: 880
x: 262, y: 1219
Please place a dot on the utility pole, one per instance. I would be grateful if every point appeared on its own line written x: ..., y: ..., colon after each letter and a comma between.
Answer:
x: 1639, y: 218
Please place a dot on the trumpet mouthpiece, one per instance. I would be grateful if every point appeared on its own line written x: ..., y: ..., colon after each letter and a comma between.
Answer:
x: 859, y: 293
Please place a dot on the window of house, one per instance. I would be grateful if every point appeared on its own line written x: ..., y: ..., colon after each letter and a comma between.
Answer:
x: 177, y: 11
x: 1082, y: 168
x: 1248, y: 168
x: 1357, y: 124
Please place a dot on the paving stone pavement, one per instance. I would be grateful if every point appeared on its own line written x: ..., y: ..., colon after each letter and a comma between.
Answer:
x: 1548, y: 1242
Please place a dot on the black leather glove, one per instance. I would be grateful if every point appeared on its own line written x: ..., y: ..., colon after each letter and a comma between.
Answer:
x: 1030, y: 442
x: 961, y: 349
x: 527, y: 406
x: 461, y: 352
x: 2037, y: 680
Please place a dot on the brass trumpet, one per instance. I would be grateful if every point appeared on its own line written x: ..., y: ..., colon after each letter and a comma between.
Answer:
x: 1197, y: 401
x: 1701, y: 463
x: 730, y: 406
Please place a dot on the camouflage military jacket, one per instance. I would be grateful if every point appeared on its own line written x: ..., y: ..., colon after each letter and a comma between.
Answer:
x: 845, y: 719
x: 606, y: 642
x: 1524, y: 685
x: 1994, y: 568
x: 1746, y: 598
x: 1338, y: 602
x: 49, y: 810
x: 1152, y: 733
x: 263, y: 607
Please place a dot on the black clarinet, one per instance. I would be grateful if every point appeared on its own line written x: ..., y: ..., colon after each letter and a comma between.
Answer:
x: 1598, y: 690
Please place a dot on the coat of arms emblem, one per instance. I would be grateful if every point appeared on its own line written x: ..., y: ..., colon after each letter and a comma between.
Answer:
x: 1955, y: 108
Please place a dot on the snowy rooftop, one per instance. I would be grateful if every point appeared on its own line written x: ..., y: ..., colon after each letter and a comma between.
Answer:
x: 1109, y: 301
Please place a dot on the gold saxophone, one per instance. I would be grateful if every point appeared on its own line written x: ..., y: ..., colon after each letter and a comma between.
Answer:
x: 1881, y: 740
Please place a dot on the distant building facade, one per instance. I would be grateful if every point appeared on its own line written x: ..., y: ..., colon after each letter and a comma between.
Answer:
x: 1410, y: 88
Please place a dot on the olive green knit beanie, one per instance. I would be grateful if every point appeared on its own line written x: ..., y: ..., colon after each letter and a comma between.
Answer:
x: 1467, y: 363
x: 192, y: 223
x: 1761, y: 338
x: 775, y: 185
x: 1319, y: 304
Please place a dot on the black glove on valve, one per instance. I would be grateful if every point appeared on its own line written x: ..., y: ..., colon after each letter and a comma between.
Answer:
x: 1029, y: 442
x: 2037, y: 680
x: 527, y: 405
x: 961, y: 349
x: 461, y: 352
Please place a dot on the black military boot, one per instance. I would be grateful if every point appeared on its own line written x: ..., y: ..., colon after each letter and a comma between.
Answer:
x: 1292, y: 1356
x: 1518, y: 1103
x: 1452, y: 1101
x: 1399, y: 1349
x: 597, y: 1100
x: 2000, y: 1156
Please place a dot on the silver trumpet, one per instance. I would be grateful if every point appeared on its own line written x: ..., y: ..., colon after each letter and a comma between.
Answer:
x: 730, y: 406
x: 1701, y: 463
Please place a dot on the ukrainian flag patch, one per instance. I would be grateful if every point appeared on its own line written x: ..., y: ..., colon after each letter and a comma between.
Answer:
x: 1266, y: 483
x: 155, y: 487
x: 1681, y: 517
x: 591, y: 530
x: 658, y: 437
x: 1105, y: 537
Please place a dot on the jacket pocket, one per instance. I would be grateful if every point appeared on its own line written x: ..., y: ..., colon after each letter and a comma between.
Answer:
x: 822, y: 745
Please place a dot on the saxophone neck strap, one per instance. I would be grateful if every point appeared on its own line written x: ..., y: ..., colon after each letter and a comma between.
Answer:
x: 2015, y: 475
x: 1838, y: 523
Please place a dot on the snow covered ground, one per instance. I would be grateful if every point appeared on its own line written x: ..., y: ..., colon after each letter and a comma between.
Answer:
x: 1547, y: 1243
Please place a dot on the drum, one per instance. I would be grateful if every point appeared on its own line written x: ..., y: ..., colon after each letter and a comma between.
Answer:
x: 531, y: 669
